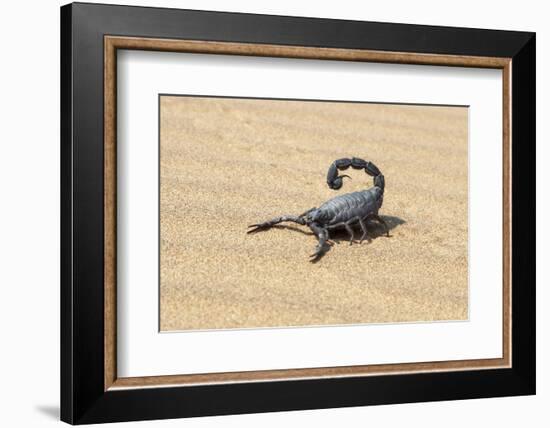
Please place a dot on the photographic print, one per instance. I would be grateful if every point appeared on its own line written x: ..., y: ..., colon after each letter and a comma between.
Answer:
x: 287, y: 213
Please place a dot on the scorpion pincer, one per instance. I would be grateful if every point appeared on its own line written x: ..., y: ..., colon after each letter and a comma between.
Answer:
x: 340, y: 212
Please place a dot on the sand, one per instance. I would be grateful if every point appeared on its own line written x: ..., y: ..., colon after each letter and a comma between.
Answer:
x: 228, y: 163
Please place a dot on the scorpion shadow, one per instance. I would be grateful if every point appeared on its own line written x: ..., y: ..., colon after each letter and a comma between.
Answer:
x: 337, y: 237
x: 375, y: 230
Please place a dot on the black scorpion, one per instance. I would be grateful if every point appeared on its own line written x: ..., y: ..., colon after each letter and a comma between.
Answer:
x: 343, y: 211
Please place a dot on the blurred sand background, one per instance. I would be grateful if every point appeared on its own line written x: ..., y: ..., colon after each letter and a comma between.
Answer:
x: 228, y: 163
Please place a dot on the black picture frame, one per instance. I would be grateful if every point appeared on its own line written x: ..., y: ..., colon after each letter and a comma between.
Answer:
x: 83, y: 398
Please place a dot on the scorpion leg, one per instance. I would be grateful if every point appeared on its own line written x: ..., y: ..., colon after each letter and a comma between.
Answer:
x: 347, y: 225
x: 382, y: 222
x: 267, y: 224
x: 322, y: 235
x: 364, y: 229
x: 351, y: 221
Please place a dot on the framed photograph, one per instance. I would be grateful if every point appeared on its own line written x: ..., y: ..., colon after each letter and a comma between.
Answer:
x: 265, y: 213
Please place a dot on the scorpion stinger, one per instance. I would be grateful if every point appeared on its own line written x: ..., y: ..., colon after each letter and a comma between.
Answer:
x: 343, y: 211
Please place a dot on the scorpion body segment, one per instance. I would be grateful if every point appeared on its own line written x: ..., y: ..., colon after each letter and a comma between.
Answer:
x: 343, y: 211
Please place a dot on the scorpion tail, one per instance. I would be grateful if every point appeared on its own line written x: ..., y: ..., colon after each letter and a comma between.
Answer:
x: 335, y: 181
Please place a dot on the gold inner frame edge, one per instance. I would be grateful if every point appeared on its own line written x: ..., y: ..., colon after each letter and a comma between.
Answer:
x: 113, y: 43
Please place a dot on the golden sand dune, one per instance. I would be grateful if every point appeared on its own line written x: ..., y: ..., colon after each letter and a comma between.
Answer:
x: 228, y: 163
